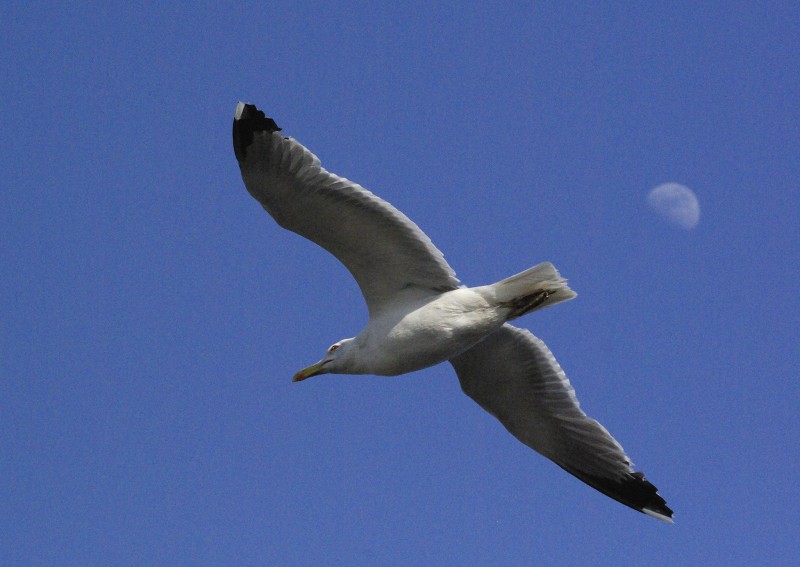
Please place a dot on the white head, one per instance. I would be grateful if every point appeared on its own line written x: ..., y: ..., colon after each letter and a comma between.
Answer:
x: 338, y: 360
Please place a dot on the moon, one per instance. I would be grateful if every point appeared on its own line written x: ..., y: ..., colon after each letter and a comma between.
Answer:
x: 676, y: 203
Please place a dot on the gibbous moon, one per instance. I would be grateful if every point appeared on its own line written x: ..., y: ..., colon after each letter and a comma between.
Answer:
x: 677, y: 203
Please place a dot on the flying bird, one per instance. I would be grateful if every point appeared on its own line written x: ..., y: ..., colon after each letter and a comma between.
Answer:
x: 420, y: 314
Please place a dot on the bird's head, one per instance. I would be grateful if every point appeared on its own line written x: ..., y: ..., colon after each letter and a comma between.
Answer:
x: 335, y: 361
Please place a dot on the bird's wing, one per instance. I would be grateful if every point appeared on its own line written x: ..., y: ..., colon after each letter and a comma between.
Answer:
x: 514, y: 376
x: 383, y: 249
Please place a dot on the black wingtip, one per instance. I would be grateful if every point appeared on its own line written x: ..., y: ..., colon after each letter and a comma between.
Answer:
x: 637, y: 492
x: 246, y: 122
x: 633, y: 490
x: 652, y: 503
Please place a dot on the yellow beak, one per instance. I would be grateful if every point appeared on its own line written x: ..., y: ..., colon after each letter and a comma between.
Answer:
x: 310, y: 371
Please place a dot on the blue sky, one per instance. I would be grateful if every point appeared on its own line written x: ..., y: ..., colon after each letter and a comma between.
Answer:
x: 153, y: 314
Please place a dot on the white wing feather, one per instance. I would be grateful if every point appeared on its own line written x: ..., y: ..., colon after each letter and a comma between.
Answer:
x: 383, y: 249
x: 515, y: 377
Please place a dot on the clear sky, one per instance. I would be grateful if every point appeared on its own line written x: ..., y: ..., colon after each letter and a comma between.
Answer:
x: 153, y: 314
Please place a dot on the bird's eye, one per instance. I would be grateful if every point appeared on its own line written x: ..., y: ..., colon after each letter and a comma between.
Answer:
x: 334, y: 347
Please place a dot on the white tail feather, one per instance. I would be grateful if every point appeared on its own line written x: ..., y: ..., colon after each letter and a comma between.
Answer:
x: 535, y: 288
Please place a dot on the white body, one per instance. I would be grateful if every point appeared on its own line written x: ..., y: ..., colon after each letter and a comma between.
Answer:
x: 413, y: 333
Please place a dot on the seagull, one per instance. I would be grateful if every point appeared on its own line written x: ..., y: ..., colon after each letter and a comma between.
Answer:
x: 420, y: 314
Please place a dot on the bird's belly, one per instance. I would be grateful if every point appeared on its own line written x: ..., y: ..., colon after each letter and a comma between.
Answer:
x: 429, y: 336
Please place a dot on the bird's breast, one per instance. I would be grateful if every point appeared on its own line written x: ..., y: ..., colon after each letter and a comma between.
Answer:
x: 429, y: 332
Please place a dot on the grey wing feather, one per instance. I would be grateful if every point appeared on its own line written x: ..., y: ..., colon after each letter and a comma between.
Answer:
x: 381, y: 247
x: 514, y: 376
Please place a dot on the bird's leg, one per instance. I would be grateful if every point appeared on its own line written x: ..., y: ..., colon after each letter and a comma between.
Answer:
x: 521, y: 305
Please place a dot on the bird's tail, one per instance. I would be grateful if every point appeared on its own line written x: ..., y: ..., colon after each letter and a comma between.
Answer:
x: 535, y: 288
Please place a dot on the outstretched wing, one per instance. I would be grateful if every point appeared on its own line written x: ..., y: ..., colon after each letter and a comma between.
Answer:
x: 514, y: 376
x: 383, y: 249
